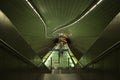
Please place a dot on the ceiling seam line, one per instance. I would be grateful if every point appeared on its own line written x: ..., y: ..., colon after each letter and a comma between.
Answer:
x: 40, y: 17
x: 68, y: 25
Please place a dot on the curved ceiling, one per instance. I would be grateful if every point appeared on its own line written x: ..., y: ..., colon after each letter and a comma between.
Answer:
x: 57, y: 14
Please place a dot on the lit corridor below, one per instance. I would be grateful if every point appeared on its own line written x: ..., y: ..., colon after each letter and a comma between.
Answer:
x: 59, y: 39
x: 55, y: 59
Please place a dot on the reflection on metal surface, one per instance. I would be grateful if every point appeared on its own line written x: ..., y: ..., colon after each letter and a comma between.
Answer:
x: 35, y: 62
x: 3, y: 19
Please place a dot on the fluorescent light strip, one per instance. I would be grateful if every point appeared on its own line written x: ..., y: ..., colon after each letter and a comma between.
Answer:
x: 45, y: 26
x: 80, y: 17
x: 70, y: 58
x: 47, y: 63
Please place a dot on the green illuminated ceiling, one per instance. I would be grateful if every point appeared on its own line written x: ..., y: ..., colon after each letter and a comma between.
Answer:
x: 56, y: 13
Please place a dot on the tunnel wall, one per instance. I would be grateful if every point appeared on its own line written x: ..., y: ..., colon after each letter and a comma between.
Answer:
x: 11, y: 40
x: 104, y: 45
x: 26, y: 21
x: 78, y: 54
x: 17, y: 59
x: 109, y: 62
x: 10, y: 61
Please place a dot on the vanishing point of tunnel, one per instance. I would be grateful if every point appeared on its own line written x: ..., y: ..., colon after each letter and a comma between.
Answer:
x: 59, y: 39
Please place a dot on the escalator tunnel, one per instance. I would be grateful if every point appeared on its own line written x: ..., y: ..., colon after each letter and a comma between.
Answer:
x: 59, y: 40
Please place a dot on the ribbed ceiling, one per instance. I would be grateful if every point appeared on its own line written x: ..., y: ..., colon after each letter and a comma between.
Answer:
x: 57, y: 13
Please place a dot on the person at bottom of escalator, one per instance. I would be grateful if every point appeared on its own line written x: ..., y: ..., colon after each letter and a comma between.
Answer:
x: 62, y: 39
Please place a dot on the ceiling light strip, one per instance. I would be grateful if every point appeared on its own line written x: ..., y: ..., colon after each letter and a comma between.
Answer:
x: 80, y: 17
x: 45, y: 26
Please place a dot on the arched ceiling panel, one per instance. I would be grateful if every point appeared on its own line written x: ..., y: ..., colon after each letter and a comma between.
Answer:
x: 26, y: 22
x: 57, y: 13
x: 87, y: 31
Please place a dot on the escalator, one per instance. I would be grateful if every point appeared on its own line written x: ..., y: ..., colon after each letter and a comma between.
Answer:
x: 55, y: 59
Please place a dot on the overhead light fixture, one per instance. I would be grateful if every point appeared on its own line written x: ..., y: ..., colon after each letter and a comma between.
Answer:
x: 93, y: 7
x: 45, y: 26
